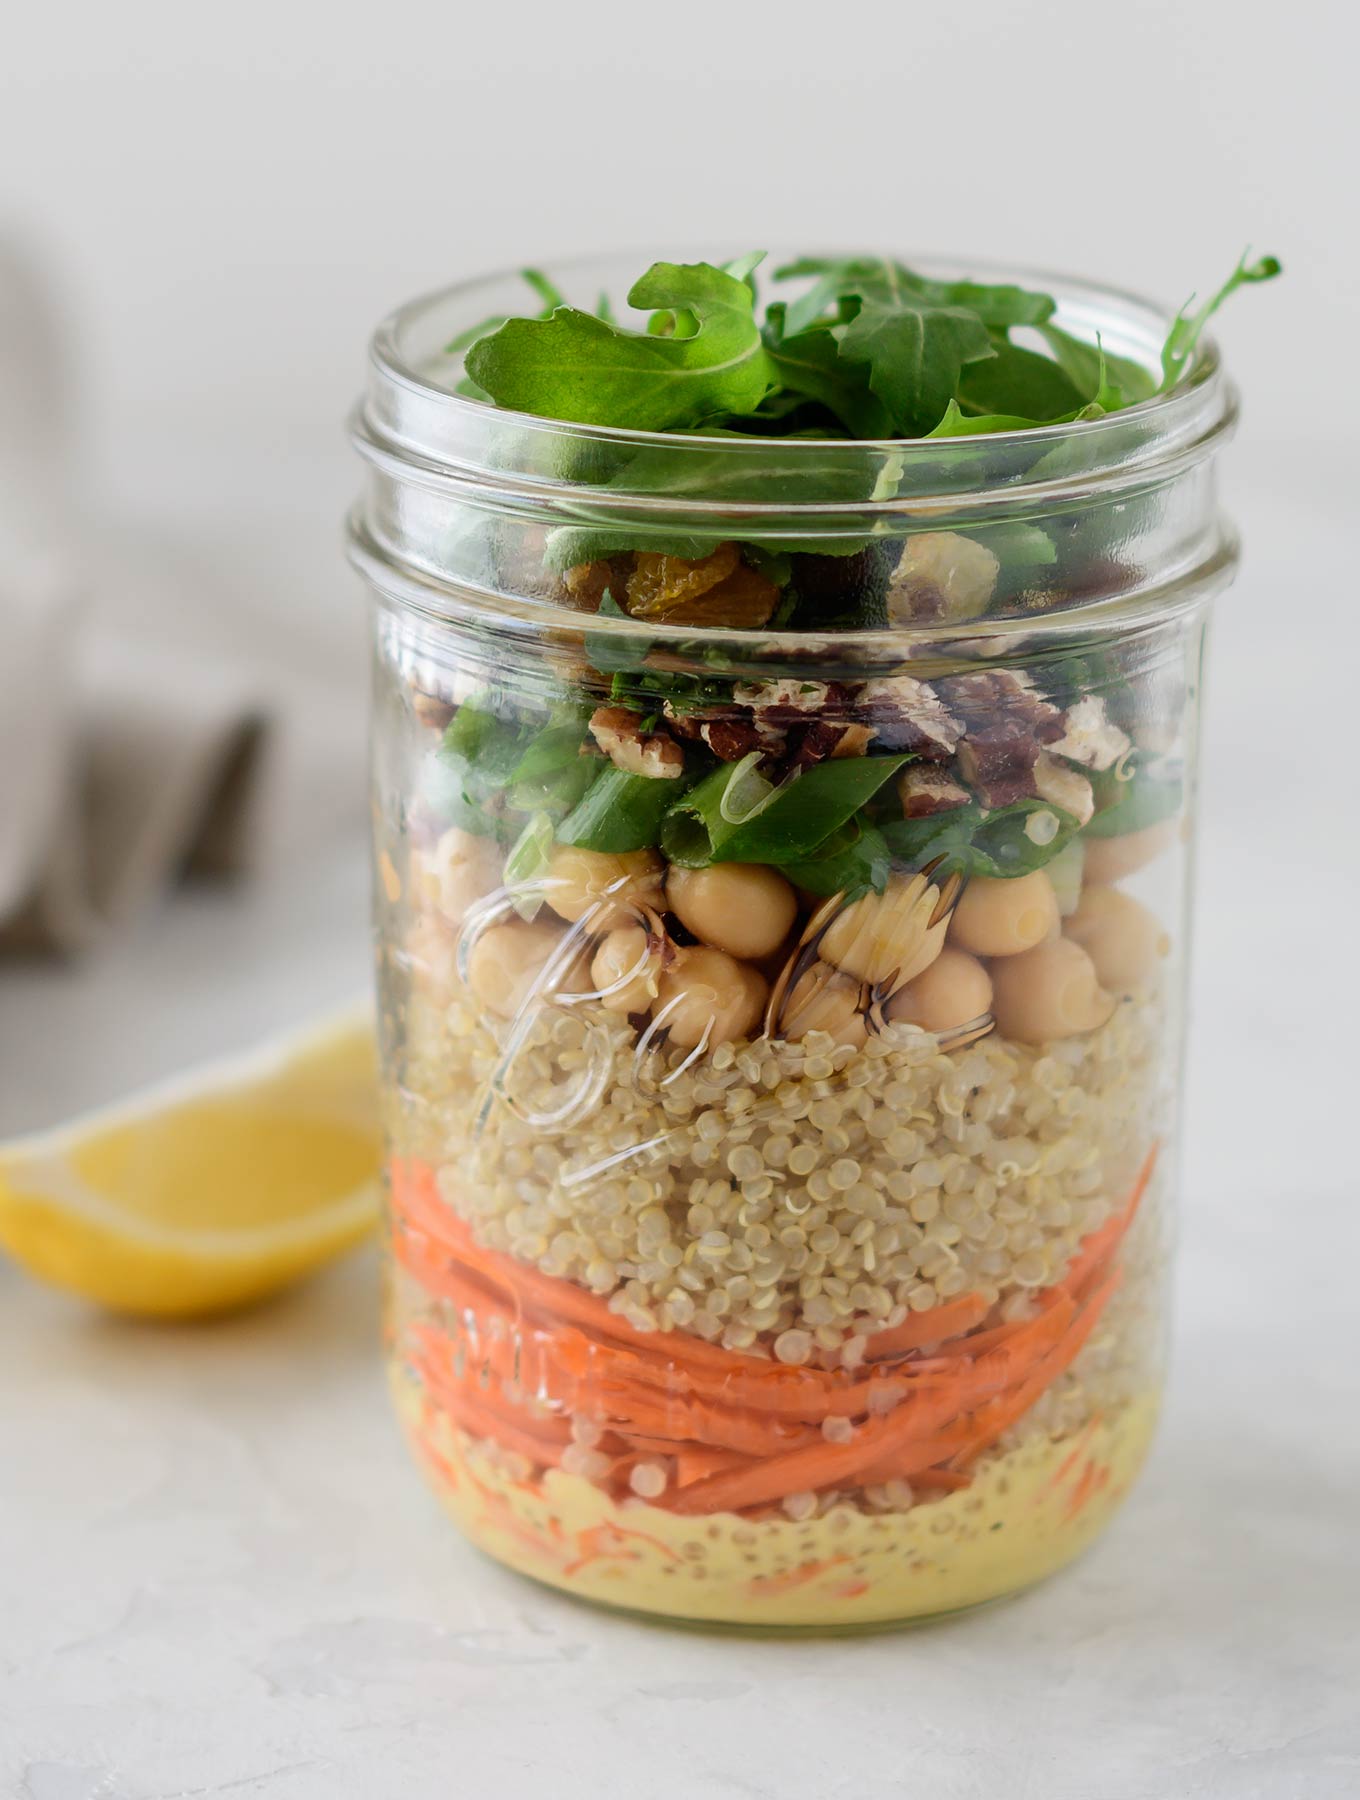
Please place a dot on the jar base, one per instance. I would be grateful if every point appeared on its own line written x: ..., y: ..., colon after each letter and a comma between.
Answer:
x: 1027, y: 1513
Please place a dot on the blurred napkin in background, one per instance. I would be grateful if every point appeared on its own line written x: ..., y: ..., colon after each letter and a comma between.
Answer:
x: 124, y: 765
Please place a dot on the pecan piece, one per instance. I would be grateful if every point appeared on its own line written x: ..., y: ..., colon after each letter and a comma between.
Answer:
x: 1064, y: 787
x: 431, y: 710
x: 942, y: 576
x: 908, y: 715
x: 853, y: 741
x: 619, y: 734
x: 1090, y: 737
x: 587, y: 584
x: 785, y: 700
x: 926, y: 789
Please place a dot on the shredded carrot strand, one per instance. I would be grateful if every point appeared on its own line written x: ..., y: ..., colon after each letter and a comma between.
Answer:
x: 739, y: 1430
x: 950, y: 1319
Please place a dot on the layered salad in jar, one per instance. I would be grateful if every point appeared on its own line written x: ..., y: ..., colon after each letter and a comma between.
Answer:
x: 784, y: 1055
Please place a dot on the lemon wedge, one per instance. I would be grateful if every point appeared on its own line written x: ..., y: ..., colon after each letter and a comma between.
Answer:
x: 209, y: 1191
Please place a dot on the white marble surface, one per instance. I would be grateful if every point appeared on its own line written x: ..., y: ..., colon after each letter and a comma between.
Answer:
x: 218, y: 1575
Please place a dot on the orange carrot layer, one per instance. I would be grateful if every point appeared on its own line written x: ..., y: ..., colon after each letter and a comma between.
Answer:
x: 738, y: 1431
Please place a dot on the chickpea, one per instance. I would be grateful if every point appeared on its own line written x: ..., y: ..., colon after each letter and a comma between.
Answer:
x: 1051, y: 991
x: 506, y: 964
x: 430, y: 958
x: 708, y: 996
x: 743, y: 908
x: 952, y: 992
x: 459, y: 871
x: 1122, y: 938
x: 996, y: 917
x: 1115, y: 858
x: 603, y: 885
x: 620, y: 954
x: 773, y: 965
x: 887, y: 937
x: 822, y: 999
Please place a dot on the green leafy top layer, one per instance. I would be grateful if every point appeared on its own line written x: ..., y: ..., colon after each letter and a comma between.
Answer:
x: 870, y: 349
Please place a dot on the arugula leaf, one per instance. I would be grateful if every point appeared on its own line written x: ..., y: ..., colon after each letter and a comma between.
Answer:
x: 1019, y: 548
x: 1183, y: 338
x: 614, y: 656
x: 1020, y: 382
x: 577, y: 367
x: 566, y: 546
x: 619, y: 812
x: 925, y: 309
x: 1133, y: 800
x: 915, y: 348
x: 998, y: 306
x: 547, y: 292
x: 957, y: 423
x: 1090, y: 367
x: 481, y: 747
x: 442, y: 789
x: 914, y: 841
x: 551, y: 775
x: 788, y: 826
x: 994, y: 844
x: 1002, y: 846
x: 475, y: 759
x: 852, y: 860
x: 1039, y: 390
x: 810, y: 365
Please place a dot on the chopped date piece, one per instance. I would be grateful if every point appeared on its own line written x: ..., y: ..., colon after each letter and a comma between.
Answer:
x: 1063, y: 786
x: 1096, y: 578
x: 909, y: 715
x: 847, y: 592
x: 828, y: 740
x: 942, y: 577
x: 1090, y: 737
x: 619, y: 734
x: 999, y: 763
x: 926, y: 789
x: 996, y: 698
x: 731, y: 739
x: 729, y: 732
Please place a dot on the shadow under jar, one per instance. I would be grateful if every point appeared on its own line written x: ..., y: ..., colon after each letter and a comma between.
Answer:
x: 781, y: 1022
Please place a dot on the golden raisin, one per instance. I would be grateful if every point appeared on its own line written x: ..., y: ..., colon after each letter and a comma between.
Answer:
x: 718, y: 590
x: 660, y: 585
x: 745, y: 600
x: 587, y: 583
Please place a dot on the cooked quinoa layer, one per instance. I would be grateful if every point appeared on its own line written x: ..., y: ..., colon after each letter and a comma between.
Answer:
x: 789, y: 1197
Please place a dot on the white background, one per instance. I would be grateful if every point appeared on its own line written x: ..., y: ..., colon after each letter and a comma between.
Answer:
x: 219, y: 1576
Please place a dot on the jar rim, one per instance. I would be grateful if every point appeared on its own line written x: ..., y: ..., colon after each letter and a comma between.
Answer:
x: 1139, y: 316
x: 417, y: 432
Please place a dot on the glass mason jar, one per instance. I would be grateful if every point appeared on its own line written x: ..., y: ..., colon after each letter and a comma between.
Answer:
x: 782, y: 854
